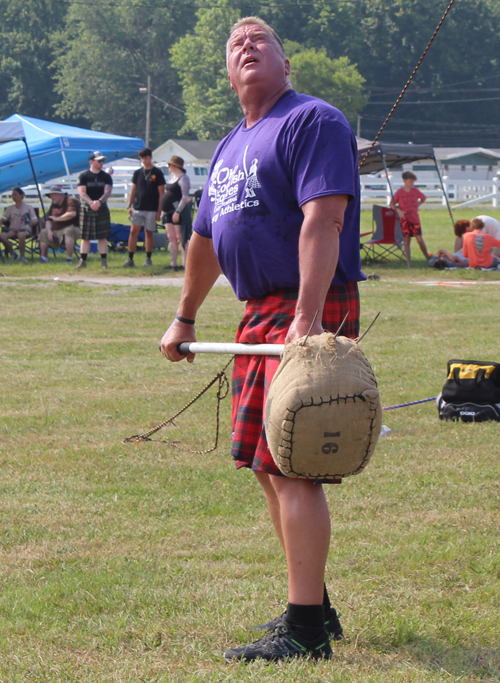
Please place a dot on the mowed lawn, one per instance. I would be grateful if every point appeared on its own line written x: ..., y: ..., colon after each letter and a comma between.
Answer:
x: 139, y: 562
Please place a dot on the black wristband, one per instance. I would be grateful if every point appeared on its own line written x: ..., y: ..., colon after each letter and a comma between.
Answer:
x: 186, y: 321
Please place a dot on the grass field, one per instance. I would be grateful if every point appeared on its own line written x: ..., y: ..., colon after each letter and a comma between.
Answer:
x: 436, y: 225
x: 139, y: 562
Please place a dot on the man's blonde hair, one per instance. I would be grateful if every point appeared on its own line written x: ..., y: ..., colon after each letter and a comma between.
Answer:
x: 246, y: 21
x: 476, y: 224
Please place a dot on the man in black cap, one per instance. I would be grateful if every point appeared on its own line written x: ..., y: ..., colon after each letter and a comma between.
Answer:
x: 62, y: 221
x: 94, y: 188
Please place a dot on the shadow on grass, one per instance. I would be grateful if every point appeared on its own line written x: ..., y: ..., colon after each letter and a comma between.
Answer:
x: 420, y: 269
x: 454, y: 658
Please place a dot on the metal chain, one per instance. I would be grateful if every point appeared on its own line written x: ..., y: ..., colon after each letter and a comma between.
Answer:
x: 365, y: 156
x: 222, y: 392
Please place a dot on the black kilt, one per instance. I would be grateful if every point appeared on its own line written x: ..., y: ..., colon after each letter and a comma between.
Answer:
x: 95, y: 225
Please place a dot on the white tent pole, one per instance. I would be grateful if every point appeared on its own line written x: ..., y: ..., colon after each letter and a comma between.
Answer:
x: 67, y: 171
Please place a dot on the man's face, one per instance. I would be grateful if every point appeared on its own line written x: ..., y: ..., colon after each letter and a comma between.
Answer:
x: 96, y: 165
x: 146, y: 161
x: 56, y: 198
x: 255, y: 58
x: 16, y: 197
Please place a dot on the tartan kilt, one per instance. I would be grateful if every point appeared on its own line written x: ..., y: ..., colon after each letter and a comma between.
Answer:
x: 266, y: 321
x: 95, y: 225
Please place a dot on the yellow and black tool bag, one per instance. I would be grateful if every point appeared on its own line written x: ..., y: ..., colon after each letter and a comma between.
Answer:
x: 472, y: 391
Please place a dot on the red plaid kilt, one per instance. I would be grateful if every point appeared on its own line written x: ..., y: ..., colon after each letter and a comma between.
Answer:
x: 266, y: 321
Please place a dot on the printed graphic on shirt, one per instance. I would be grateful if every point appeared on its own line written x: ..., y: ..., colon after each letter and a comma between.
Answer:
x: 479, y: 242
x: 227, y: 184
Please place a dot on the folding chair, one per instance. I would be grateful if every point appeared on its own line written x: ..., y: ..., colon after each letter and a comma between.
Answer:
x: 386, y: 241
x: 32, y: 244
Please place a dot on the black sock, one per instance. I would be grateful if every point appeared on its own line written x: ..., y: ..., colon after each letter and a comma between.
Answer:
x: 308, y: 621
x: 131, y: 255
x: 83, y: 257
x: 103, y: 257
x: 326, y: 599
x: 149, y: 254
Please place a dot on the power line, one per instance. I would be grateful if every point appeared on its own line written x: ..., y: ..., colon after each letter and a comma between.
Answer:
x: 215, y: 123
x: 479, y: 99
x: 437, y: 87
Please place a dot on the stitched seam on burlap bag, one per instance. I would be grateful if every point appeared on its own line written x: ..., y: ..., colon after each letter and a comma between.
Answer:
x: 288, y: 445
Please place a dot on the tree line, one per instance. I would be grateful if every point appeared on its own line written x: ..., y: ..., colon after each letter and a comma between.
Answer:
x: 84, y: 62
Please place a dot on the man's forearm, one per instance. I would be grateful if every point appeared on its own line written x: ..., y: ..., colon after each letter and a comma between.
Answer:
x: 202, y: 270
x: 106, y: 194
x: 318, y: 258
x: 131, y: 197
x: 318, y: 255
x: 65, y: 217
x: 82, y: 191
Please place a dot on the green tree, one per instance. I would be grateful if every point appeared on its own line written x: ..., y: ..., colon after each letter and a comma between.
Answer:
x: 104, y: 58
x: 212, y: 108
x: 462, y: 64
x: 26, y: 56
x: 336, y: 81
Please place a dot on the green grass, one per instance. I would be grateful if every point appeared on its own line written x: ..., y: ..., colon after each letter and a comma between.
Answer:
x: 139, y: 562
x: 436, y: 228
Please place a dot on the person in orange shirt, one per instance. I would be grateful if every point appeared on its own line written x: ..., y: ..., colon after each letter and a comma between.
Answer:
x: 406, y: 202
x: 477, y: 245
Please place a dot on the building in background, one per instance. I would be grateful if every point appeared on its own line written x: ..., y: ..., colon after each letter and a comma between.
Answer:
x: 197, y: 155
x: 459, y: 163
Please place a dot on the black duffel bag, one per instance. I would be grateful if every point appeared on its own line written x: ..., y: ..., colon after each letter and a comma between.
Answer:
x: 472, y: 392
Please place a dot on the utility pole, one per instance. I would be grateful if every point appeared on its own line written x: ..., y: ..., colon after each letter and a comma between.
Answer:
x: 147, y: 92
x: 358, y: 131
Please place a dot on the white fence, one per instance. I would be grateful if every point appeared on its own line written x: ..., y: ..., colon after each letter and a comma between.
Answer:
x: 374, y: 190
x: 460, y: 193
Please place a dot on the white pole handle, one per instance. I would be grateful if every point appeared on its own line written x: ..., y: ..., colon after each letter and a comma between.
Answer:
x: 238, y: 349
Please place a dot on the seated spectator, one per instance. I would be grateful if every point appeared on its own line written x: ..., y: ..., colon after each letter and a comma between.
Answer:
x: 443, y: 258
x: 19, y: 218
x: 491, y: 227
x: 477, y: 246
x: 62, y: 221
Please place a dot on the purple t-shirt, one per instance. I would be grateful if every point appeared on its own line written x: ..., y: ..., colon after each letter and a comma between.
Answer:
x: 301, y: 149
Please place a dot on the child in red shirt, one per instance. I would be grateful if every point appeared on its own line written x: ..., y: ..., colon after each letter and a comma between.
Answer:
x: 406, y: 202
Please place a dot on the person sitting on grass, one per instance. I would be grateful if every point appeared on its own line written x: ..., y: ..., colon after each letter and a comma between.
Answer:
x: 491, y: 227
x: 20, y: 218
x: 406, y: 202
x: 477, y: 246
x: 62, y: 221
x: 443, y: 258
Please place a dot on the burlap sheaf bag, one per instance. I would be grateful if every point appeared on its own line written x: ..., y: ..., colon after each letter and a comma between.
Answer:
x: 323, y: 413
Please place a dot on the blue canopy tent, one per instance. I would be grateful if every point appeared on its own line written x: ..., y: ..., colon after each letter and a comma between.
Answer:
x: 51, y: 150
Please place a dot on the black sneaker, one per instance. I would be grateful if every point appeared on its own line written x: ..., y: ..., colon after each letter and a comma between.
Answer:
x: 332, y: 624
x: 282, y: 643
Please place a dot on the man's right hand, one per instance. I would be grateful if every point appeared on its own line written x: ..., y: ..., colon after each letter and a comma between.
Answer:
x: 177, y: 332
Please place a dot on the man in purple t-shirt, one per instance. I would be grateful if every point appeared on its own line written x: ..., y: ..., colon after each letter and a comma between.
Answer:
x: 280, y: 218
